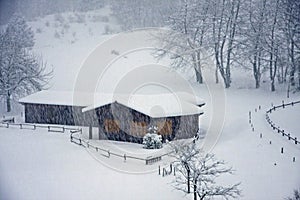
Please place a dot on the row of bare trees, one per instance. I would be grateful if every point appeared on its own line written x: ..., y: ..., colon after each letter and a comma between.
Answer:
x: 261, y: 36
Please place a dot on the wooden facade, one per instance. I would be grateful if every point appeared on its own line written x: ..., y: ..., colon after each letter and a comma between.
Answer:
x: 115, y: 121
x: 59, y: 114
x: 118, y: 122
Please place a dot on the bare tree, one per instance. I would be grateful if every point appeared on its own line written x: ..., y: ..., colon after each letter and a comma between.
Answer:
x: 189, y: 25
x: 224, y: 26
x: 254, y: 34
x: 21, y: 72
x: 296, y: 195
x: 291, y: 17
x: 199, y: 171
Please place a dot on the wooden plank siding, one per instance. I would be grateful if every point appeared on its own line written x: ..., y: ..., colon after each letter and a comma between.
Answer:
x: 114, y: 121
x: 133, y: 124
x: 59, y: 114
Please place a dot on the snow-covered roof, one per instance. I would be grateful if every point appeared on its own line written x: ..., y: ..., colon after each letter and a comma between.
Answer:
x: 52, y: 97
x: 153, y: 105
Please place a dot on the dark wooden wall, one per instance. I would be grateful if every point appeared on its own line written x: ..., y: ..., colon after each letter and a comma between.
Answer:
x: 59, y: 114
x: 181, y: 126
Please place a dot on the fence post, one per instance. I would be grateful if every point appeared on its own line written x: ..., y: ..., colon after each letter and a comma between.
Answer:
x: 174, y: 171
x: 124, y: 157
x: 281, y: 149
x: 90, y: 132
x: 294, y: 159
x: 108, y: 153
x: 158, y: 169
x: 296, y: 141
x: 170, y: 168
x: 260, y: 135
x: 289, y: 136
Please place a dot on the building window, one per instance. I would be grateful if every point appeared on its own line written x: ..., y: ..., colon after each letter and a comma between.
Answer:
x: 138, y: 128
x: 112, y: 126
x: 164, y: 127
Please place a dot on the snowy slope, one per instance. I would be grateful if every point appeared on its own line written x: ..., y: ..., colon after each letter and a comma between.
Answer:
x: 40, y: 165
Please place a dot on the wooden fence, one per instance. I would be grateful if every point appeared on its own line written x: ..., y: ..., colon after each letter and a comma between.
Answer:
x: 75, y: 138
x: 50, y: 128
x: 277, y: 128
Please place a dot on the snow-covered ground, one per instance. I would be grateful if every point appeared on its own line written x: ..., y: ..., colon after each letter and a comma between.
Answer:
x: 41, y: 165
x: 35, y: 163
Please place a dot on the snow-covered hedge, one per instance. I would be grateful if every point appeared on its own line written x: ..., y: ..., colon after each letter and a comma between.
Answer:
x: 152, y: 140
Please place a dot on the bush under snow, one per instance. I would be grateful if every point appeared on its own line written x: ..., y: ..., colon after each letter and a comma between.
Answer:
x: 152, y: 140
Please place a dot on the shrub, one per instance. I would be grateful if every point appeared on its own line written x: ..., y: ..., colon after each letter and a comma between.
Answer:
x: 152, y: 140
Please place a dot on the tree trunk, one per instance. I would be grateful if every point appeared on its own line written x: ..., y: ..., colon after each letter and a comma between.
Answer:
x: 8, y: 102
x: 199, y: 71
x: 195, y: 190
x: 188, y: 181
x: 298, y: 77
x: 199, y: 77
x: 272, y: 85
x: 217, y: 76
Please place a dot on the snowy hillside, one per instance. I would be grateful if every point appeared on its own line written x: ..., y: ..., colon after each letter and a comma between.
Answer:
x: 65, y: 40
x: 37, y: 164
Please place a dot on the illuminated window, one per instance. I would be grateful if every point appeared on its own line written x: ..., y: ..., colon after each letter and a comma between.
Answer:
x: 138, y: 128
x: 164, y: 127
x: 112, y: 126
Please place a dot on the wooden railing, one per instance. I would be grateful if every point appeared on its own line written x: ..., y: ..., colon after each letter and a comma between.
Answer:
x: 277, y: 128
x: 77, y: 139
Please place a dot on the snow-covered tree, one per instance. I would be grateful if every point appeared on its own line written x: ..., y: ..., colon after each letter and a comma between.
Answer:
x: 224, y: 28
x: 21, y: 72
x: 296, y: 195
x: 290, y: 11
x: 198, y: 171
x: 152, y: 140
x: 186, y: 39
